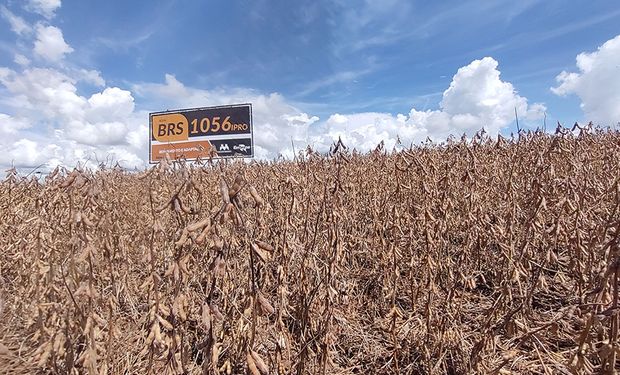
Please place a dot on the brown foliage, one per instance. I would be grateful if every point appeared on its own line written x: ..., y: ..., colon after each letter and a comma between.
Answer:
x: 487, y: 256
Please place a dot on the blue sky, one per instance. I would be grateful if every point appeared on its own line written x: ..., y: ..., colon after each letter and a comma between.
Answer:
x: 320, y: 59
x: 338, y: 54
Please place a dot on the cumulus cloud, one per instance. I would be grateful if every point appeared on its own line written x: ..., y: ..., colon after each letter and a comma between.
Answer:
x: 26, y: 153
x: 46, y: 91
x: 279, y: 122
x: 46, y: 8
x: 476, y: 91
x: 102, y: 133
x: 46, y: 119
x: 92, y: 77
x: 18, y: 25
x: 22, y: 60
x: 67, y: 127
x: 111, y: 104
x: 55, y: 147
x: 597, y: 83
x: 363, y: 131
x: 50, y: 43
x: 10, y: 125
x: 106, y: 125
x: 476, y: 98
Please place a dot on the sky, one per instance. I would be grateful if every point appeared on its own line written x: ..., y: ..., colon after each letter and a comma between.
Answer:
x: 79, y: 78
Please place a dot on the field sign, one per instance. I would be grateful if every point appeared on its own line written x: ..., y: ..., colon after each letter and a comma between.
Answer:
x: 217, y: 132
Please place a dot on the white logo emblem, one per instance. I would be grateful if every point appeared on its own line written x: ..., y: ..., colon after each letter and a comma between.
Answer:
x: 241, y: 147
x: 224, y: 147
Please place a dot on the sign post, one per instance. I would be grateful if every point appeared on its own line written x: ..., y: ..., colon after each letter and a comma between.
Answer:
x: 209, y: 132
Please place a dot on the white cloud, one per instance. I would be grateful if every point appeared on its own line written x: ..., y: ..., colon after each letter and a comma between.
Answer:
x: 46, y: 8
x: 597, y: 83
x: 10, y: 125
x: 4, y: 73
x: 363, y: 131
x: 50, y: 43
x: 110, y: 104
x: 338, y: 77
x: 172, y: 88
x: 105, y: 125
x: 47, y: 119
x: 25, y: 153
x: 46, y: 91
x: 476, y: 98
x: 18, y: 25
x: 66, y: 127
x: 137, y: 128
x: 56, y: 148
x: 301, y: 118
x: 91, y: 76
x: 276, y: 122
x: 103, y: 133
x: 22, y: 60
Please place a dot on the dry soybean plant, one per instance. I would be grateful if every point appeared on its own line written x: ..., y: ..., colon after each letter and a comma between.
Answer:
x: 492, y: 256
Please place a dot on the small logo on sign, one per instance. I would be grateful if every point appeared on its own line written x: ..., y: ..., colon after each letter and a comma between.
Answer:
x: 224, y: 147
x: 241, y: 147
